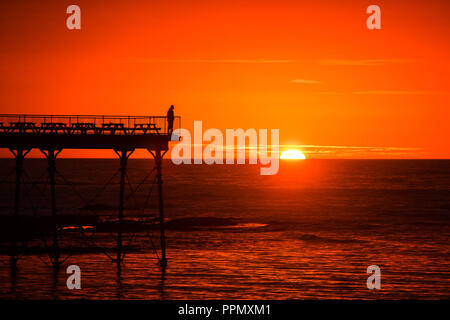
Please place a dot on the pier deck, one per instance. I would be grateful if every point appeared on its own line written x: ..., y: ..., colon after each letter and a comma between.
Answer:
x: 84, y: 132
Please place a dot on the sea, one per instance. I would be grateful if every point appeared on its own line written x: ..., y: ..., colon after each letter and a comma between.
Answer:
x: 309, y: 232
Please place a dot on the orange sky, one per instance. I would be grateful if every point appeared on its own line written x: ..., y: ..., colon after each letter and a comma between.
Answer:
x: 310, y: 68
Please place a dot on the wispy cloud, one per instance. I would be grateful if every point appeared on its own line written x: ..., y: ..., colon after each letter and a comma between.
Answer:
x: 329, y: 93
x: 355, y: 151
x: 305, y: 81
x: 328, y: 150
x: 399, y: 92
x: 257, y: 61
x: 382, y: 92
x: 355, y: 147
x: 362, y: 62
x: 330, y: 62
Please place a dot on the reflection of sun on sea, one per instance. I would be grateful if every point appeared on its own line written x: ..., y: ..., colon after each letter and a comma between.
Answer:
x: 292, y: 155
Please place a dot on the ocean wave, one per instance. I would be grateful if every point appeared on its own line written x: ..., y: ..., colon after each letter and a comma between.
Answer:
x: 315, y: 238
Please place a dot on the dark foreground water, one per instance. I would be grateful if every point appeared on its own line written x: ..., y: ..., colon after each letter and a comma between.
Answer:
x: 309, y: 232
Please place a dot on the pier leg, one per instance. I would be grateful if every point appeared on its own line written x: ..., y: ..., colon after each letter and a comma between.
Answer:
x: 51, y: 159
x: 19, y: 155
x: 123, y: 156
x: 158, y: 160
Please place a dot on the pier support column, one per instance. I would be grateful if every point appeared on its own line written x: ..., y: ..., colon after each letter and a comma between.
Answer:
x: 123, y: 156
x: 51, y: 155
x: 158, y: 155
x: 19, y: 155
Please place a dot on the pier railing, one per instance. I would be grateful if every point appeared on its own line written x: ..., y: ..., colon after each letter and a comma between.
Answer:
x: 86, y: 124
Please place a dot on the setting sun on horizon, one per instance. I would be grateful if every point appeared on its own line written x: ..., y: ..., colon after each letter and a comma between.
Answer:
x: 292, y: 154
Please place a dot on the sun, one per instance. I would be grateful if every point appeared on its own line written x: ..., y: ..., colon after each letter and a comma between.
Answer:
x: 292, y: 155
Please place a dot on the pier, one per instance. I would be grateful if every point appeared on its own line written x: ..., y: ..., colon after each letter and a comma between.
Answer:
x: 53, y: 133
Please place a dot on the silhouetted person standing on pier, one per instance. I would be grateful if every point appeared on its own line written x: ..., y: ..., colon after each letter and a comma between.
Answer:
x: 170, y: 118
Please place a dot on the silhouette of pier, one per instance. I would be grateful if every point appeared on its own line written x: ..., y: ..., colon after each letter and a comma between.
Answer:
x: 53, y: 133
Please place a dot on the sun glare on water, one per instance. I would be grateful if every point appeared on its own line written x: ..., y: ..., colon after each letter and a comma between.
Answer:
x: 292, y: 155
